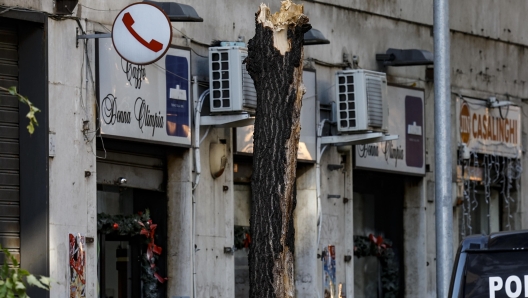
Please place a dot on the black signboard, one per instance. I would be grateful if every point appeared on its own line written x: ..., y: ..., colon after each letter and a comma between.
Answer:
x: 496, y: 274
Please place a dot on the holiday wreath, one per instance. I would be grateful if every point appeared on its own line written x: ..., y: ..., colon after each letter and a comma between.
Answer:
x: 131, y: 225
x: 376, y: 246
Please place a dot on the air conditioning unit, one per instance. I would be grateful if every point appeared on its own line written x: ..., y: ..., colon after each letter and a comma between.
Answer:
x: 361, y: 101
x: 230, y: 85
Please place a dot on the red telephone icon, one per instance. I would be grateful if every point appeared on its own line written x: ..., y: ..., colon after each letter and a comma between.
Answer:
x: 153, y: 45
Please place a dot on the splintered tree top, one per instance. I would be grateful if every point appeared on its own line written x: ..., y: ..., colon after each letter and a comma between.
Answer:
x: 290, y: 14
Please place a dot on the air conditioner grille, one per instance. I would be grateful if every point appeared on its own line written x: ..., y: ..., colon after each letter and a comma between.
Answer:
x: 231, y: 88
x: 347, y: 102
x: 360, y: 101
x: 220, y: 70
x: 374, y: 102
x: 248, y: 89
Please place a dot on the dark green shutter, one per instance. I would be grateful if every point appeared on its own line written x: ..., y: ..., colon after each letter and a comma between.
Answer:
x: 9, y: 144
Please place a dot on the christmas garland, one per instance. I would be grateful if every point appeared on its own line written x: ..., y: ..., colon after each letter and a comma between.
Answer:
x: 131, y: 225
x: 376, y: 246
x: 242, y: 237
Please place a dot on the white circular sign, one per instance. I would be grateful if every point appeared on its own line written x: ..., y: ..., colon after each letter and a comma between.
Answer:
x: 142, y: 33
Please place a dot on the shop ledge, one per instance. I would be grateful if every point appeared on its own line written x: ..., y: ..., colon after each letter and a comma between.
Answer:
x: 358, y: 139
x: 228, y: 120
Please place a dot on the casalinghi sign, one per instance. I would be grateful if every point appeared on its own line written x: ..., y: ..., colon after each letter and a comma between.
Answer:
x: 489, y: 130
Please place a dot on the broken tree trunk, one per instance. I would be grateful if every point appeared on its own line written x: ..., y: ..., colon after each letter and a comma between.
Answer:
x: 275, y: 62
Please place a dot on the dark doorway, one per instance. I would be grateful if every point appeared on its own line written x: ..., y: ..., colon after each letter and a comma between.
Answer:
x: 378, y: 210
x: 24, y: 183
x: 120, y: 259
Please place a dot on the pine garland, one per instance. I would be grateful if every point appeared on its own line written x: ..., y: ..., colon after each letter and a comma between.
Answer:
x: 381, y: 248
x: 131, y: 225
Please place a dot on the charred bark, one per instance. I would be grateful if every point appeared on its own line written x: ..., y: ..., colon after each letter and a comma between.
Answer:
x: 275, y: 61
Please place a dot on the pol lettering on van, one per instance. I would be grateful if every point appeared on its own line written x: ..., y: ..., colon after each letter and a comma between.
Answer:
x: 496, y: 283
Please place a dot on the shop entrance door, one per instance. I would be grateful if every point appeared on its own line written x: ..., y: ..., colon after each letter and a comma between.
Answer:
x: 121, y: 268
x: 378, y: 211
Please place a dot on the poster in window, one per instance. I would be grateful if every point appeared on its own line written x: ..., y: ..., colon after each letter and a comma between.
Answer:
x: 329, y: 272
x: 77, y: 260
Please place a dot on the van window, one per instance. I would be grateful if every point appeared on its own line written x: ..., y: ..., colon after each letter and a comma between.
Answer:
x: 496, y: 274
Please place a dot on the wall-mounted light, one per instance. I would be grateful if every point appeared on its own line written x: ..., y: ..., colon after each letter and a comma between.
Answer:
x: 65, y: 7
x: 217, y: 159
x: 412, y: 57
x: 313, y: 37
x: 494, y: 103
x: 175, y: 12
x: 178, y: 12
x: 121, y: 181
x: 464, y: 150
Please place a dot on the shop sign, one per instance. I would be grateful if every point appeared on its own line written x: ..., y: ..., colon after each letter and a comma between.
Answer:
x: 405, y: 155
x: 145, y: 102
x: 141, y: 33
x: 306, y: 149
x: 486, y: 130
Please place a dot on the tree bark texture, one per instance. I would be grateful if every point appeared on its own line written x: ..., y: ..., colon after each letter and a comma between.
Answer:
x: 275, y: 62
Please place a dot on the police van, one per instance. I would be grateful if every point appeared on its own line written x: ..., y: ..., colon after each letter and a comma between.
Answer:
x: 492, y: 266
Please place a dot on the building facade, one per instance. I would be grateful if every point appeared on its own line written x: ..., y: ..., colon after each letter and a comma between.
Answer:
x: 89, y: 159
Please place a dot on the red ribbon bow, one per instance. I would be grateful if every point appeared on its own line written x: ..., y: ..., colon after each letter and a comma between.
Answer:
x: 378, y: 241
x: 152, y: 247
x: 247, y: 240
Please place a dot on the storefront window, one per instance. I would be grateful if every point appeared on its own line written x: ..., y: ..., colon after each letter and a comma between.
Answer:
x: 487, y: 195
x: 482, y: 216
x: 121, y: 269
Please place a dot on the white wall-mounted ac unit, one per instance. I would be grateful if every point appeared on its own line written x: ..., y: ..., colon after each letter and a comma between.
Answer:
x: 361, y: 100
x: 231, y: 87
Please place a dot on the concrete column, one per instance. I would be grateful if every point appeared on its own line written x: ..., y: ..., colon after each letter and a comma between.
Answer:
x: 414, y: 238
x: 305, y: 217
x: 72, y: 195
x: 349, y: 226
x: 337, y: 216
x: 179, y: 242
x: 214, y: 228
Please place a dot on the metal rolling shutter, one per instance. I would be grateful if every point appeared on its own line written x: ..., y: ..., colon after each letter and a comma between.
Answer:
x: 9, y: 143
